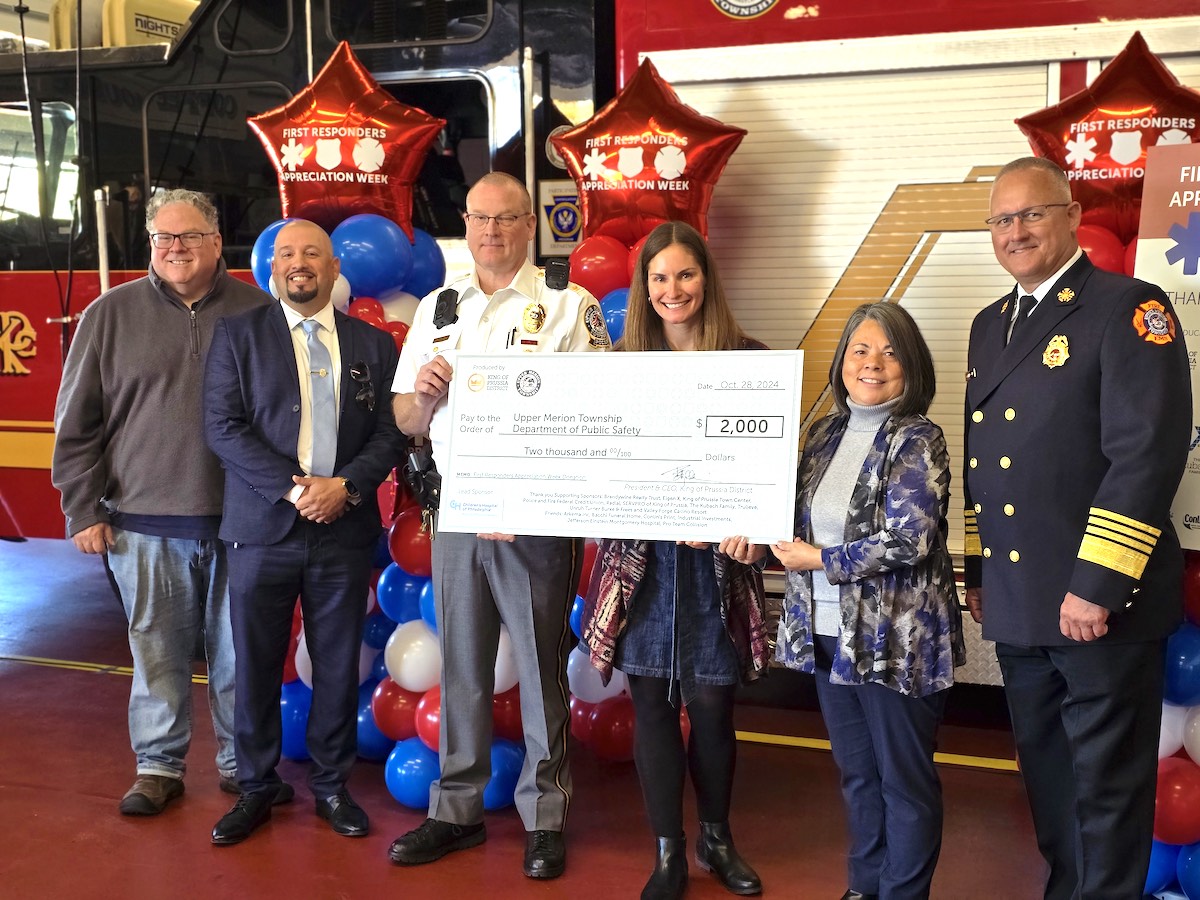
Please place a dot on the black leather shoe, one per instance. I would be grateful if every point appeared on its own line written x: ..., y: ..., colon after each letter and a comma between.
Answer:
x: 852, y: 894
x: 432, y: 840
x: 250, y: 811
x: 545, y: 854
x: 284, y: 792
x: 715, y: 853
x: 669, y: 879
x: 346, y: 816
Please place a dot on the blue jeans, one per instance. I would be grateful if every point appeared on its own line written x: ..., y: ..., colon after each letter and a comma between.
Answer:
x: 174, y: 590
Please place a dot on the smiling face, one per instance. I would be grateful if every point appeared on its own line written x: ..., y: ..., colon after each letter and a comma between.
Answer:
x: 304, y: 267
x: 1031, y: 254
x: 675, y: 285
x: 499, y: 252
x: 188, y: 271
x: 871, y: 370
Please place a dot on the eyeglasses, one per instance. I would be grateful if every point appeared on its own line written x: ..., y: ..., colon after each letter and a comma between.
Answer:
x: 1030, y: 215
x: 360, y: 374
x: 164, y: 240
x: 479, y: 221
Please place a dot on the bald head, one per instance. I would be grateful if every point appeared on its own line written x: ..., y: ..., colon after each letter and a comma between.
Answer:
x: 304, y: 268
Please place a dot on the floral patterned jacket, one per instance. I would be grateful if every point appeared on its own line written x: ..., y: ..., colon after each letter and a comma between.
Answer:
x: 901, y: 624
x: 616, y: 577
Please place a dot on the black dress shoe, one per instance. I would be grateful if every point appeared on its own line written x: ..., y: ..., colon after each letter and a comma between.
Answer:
x: 669, y: 879
x: 346, y: 816
x: 545, y: 854
x: 715, y: 853
x: 250, y: 811
x: 432, y: 840
x: 852, y: 894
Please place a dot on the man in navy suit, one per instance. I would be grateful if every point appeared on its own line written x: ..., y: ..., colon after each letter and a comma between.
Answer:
x: 298, y: 409
x: 1078, y: 418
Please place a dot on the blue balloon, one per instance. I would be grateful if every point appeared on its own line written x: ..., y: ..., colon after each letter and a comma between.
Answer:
x: 1186, y: 868
x: 428, y: 606
x: 377, y: 629
x: 613, y: 306
x: 295, y: 700
x: 383, y: 553
x: 375, y: 253
x: 373, y: 744
x: 1182, y: 684
x: 428, y: 265
x: 410, y: 769
x: 379, y: 667
x: 577, y: 616
x: 263, y: 252
x: 507, y: 759
x: 399, y: 594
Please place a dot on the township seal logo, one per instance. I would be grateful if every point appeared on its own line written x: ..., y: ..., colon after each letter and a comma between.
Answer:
x: 1153, y: 323
x: 528, y: 383
x: 743, y: 9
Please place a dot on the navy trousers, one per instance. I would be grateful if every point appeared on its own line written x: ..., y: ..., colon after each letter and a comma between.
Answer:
x: 332, y: 583
x: 883, y: 743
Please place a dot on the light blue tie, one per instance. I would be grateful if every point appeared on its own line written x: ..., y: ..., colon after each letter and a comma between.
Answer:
x: 324, y: 408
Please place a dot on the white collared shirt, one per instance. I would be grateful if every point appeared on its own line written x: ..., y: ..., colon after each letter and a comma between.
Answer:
x: 328, y: 336
x: 1041, y: 290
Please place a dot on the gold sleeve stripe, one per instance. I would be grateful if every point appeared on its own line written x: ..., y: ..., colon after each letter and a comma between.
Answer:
x: 1113, y: 556
x: 1136, y: 542
x: 972, y: 546
x: 1132, y: 527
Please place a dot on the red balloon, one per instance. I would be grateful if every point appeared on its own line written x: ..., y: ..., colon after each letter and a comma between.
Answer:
x: 1177, y: 802
x: 612, y: 729
x: 634, y: 252
x: 590, y: 548
x: 581, y: 719
x: 368, y: 315
x: 343, y: 146
x: 506, y: 716
x: 1100, y: 135
x: 395, y: 710
x: 289, y: 661
x: 598, y: 264
x: 1131, y: 257
x: 429, y: 717
x: 387, y: 495
x: 398, y: 331
x: 363, y: 304
x: 408, y: 542
x: 644, y: 158
x: 685, y: 725
x: 1103, y: 248
x: 1191, y: 586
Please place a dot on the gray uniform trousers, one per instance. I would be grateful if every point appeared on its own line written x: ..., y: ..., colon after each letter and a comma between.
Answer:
x: 528, y: 585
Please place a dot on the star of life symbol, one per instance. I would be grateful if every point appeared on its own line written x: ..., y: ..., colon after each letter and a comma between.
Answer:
x: 291, y: 155
x: 1081, y: 151
x: 593, y: 165
x: 368, y: 154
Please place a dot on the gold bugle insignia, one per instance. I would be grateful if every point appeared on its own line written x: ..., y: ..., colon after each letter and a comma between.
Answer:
x: 1066, y: 295
x: 1057, y: 352
x: 1004, y: 308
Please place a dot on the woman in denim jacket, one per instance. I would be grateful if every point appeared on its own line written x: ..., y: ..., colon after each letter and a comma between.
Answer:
x: 871, y: 605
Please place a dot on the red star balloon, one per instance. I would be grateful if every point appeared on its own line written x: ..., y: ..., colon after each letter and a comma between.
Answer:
x: 1100, y: 135
x: 344, y: 146
x: 646, y: 158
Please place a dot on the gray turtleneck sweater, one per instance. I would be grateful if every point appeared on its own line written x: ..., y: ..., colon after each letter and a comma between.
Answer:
x: 832, y: 499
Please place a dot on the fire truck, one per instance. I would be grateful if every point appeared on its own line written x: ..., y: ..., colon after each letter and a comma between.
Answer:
x: 872, y: 130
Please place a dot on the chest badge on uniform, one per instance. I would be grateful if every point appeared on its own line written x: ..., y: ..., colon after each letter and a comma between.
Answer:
x: 597, y: 332
x: 533, y: 318
x: 1066, y: 295
x: 1056, y: 353
x: 1153, y: 323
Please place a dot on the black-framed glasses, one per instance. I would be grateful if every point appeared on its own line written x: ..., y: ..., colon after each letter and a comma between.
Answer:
x: 479, y: 221
x: 1030, y: 215
x: 164, y: 240
x: 360, y: 374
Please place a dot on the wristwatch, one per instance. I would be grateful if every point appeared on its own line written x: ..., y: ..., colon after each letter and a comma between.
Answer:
x: 351, y: 490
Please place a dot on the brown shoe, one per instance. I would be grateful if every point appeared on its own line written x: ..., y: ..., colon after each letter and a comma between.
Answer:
x: 150, y: 795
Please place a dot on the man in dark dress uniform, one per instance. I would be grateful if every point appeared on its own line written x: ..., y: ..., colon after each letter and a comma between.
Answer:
x: 1078, y: 415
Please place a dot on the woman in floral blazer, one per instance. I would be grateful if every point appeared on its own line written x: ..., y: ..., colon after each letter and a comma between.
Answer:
x: 871, y: 605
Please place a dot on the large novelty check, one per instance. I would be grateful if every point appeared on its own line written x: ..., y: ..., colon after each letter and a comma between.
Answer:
x: 653, y: 446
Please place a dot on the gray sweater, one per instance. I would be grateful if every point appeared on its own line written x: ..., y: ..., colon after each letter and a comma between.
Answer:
x: 129, y: 434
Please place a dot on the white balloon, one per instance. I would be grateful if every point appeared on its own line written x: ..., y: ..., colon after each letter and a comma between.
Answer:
x: 1170, y: 735
x: 399, y: 306
x: 412, y: 656
x: 1191, y: 730
x: 585, y: 680
x: 341, y: 293
x: 303, y: 661
x: 506, y: 664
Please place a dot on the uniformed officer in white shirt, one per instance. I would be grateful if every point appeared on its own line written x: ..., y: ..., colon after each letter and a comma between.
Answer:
x: 527, y: 583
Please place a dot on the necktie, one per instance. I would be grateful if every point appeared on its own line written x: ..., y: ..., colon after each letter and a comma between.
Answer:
x: 1023, y: 308
x: 324, y: 409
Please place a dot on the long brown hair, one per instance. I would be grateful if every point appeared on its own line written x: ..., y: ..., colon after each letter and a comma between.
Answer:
x: 643, y: 326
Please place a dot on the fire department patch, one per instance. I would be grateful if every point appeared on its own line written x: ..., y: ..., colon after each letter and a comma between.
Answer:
x: 1153, y: 323
x: 594, y: 319
x: 1056, y: 353
x: 1066, y: 295
x: 533, y: 318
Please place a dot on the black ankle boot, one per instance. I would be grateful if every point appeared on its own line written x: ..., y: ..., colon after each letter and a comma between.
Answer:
x: 669, y: 878
x: 715, y: 853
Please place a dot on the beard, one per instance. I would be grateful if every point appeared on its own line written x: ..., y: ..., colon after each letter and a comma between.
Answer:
x: 302, y: 295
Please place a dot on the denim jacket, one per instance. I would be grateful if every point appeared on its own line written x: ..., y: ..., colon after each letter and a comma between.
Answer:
x: 900, y: 621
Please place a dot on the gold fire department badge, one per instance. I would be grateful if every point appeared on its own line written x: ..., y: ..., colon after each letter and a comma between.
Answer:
x: 533, y: 318
x: 1056, y: 353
